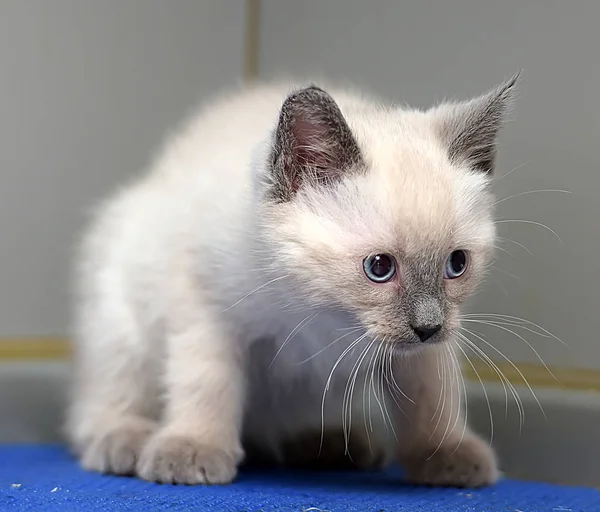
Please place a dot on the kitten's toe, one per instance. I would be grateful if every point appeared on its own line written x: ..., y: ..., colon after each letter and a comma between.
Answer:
x: 183, y: 460
x: 471, y: 464
x: 116, y: 450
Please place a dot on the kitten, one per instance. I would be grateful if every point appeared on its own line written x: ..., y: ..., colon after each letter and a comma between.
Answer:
x: 286, y: 281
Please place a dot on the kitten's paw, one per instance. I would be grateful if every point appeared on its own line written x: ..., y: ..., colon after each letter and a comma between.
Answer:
x: 472, y: 464
x: 329, y: 451
x: 183, y: 460
x: 117, y: 450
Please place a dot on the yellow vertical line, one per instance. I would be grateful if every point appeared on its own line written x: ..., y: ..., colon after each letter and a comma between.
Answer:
x: 251, y: 40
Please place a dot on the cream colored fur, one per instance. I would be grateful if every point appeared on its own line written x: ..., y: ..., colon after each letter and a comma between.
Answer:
x: 187, y: 286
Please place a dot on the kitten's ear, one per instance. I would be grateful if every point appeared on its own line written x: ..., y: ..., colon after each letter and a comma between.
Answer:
x: 313, y: 144
x: 469, y: 129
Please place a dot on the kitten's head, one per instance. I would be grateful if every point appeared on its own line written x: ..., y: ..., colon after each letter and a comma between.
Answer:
x: 386, y: 213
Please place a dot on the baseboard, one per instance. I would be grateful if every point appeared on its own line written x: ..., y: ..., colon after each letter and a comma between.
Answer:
x: 42, y: 348
x: 32, y: 349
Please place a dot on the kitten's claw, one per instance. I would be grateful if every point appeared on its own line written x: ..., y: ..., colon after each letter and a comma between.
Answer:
x: 182, y: 460
x: 472, y: 464
x: 117, y: 450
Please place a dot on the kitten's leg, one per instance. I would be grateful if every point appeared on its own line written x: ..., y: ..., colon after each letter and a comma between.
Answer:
x: 114, y: 397
x: 199, y: 441
x: 436, y: 447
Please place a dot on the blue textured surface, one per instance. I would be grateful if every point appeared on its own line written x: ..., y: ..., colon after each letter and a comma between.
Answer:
x: 46, y: 478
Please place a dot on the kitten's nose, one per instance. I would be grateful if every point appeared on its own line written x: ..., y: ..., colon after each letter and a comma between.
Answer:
x: 424, y: 332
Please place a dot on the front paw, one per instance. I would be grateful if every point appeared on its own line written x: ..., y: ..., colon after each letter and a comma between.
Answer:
x: 116, y: 450
x: 183, y: 460
x: 470, y: 464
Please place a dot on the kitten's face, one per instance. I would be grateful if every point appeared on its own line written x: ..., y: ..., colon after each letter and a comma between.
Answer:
x: 380, y: 214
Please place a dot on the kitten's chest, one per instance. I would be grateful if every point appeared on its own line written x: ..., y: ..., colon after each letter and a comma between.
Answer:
x: 308, y: 350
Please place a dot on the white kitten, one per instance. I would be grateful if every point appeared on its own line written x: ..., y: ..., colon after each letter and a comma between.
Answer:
x: 286, y: 281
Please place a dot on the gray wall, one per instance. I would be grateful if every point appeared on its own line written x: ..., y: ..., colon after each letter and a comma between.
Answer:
x: 420, y: 52
x: 88, y: 90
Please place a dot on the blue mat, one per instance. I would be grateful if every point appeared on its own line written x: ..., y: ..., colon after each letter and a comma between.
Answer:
x: 46, y: 478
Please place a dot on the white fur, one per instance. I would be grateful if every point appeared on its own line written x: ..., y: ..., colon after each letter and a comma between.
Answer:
x: 181, y: 271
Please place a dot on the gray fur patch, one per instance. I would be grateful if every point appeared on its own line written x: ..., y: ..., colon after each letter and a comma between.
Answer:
x: 313, y: 144
x: 470, y: 129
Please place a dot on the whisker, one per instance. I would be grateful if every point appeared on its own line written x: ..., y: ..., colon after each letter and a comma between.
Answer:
x: 515, y: 242
x: 349, y: 397
x: 506, y: 272
x: 349, y: 393
x: 393, y: 378
x: 511, y: 323
x: 293, y: 333
x: 515, y: 319
x: 353, y: 328
x: 498, y: 248
x: 328, y: 383
x: 460, y: 380
x: 484, y: 392
x: 264, y: 285
x: 383, y: 405
x: 518, y: 167
x: 327, y: 346
x: 506, y: 383
x: 533, y: 222
x: 389, y: 377
x: 449, y: 419
x: 494, y: 324
x: 516, y: 368
x: 445, y: 367
x: 486, y: 359
x: 527, y: 192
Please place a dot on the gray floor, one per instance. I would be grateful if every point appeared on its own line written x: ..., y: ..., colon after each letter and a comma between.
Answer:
x: 562, y: 446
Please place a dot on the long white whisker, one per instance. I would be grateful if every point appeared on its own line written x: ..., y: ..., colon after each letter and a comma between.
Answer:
x: 515, y: 319
x: 255, y: 290
x: 527, y: 192
x: 393, y: 379
x: 460, y: 380
x: 441, y: 407
x: 516, y: 368
x: 516, y: 243
x: 484, y: 392
x: 484, y: 357
x: 533, y: 222
x: 328, y: 383
x: 518, y: 167
x: 308, y: 319
x: 383, y: 404
x: 506, y: 322
x: 349, y: 397
x: 327, y: 346
x: 389, y: 377
x: 498, y: 248
x: 503, y: 378
x: 493, y: 324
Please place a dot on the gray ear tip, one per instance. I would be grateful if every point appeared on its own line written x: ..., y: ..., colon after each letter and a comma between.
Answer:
x: 309, y: 90
x: 510, y: 86
x: 516, y: 78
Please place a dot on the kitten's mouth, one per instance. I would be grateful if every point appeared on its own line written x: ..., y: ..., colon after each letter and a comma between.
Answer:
x: 403, y: 345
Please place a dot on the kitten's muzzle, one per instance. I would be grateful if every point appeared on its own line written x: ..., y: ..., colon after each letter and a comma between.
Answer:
x: 425, y: 317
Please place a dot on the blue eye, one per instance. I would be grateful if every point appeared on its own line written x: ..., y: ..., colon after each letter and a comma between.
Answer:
x: 456, y: 264
x: 380, y: 268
